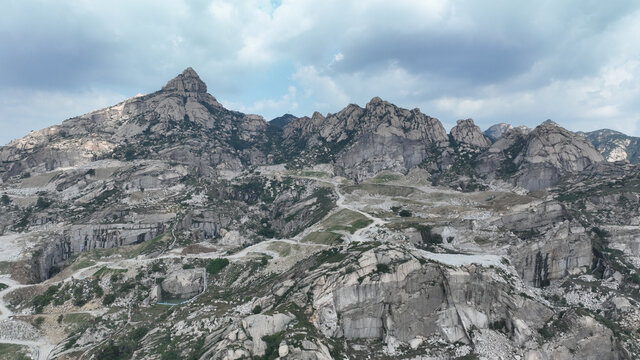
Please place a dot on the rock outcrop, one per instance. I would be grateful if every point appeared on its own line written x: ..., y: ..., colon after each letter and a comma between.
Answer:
x: 365, y: 141
x: 183, y: 284
x: 466, y: 133
x: 537, y: 160
x: 496, y: 131
x: 615, y: 146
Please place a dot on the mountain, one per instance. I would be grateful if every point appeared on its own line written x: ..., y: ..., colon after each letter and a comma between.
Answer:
x: 615, y: 146
x: 496, y: 131
x: 538, y: 159
x: 180, y: 123
x: 282, y: 121
x: 364, y: 141
x: 169, y: 227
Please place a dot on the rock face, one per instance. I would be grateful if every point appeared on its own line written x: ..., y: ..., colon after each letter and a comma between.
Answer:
x: 187, y: 82
x: 183, y: 284
x: 537, y: 160
x: 615, y: 146
x: 418, y: 300
x: 282, y: 121
x: 496, y: 131
x: 80, y: 238
x: 366, y: 141
x: 467, y: 133
x: 258, y: 326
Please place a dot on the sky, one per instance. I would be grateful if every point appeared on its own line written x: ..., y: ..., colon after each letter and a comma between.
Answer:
x: 519, y: 62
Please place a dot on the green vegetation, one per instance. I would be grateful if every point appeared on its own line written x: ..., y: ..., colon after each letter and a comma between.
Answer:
x: 108, y: 299
x: 5, y: 200
x: 332, y: 255
x: 38, y: 321
x: 257, y: 309
x: 323, y: 237
x: 42, y: 300
x: 3, y: 286
x: 346, y: 220
x: 405, y: 213
x: 273, y: 343
x: 499, y: 325
x: 14, y: 352
x: 428, y: 236
x: 383, y: 268
x: 559, y: 325
x: 43, y: 203
x: 385, y: 178
x: 508, y: 168
x: 216, y: 265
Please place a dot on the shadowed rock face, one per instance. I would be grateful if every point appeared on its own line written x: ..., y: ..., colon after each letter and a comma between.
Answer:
x: 537, y: 160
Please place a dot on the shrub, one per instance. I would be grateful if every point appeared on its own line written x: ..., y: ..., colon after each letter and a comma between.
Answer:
x: 108, y: 299
x: 405, y: 213
x: 216, y: 265
x: 43, y: 203
x: 273, y: 343
x: 138, y: 333
x: 5, y: 200
x: 257, y: 309
x: 383, y: 268
x: 38, y: 321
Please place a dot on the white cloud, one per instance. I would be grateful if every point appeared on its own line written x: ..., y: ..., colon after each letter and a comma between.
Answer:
x: 328, y: 95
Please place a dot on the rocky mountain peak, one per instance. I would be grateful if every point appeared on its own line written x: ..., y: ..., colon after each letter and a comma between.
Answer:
x: 188, y: 81
x: 496, y: 131
x: 536, y: 160
x: 466, y: 132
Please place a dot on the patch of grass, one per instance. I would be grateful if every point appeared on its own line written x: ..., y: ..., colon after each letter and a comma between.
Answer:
x: 385, y: 178
x: 323, y: 237
x: 346, y: 220
x: 14, y: 352
x: 314, y: 174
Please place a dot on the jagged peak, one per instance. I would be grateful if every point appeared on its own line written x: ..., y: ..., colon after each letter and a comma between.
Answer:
x: 465, y: 122
x: 188, y: 81
x: 375, y: 101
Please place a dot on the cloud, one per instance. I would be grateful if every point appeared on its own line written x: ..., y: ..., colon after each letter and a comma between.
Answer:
x: 328, y: 95
x: 268, y: 108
